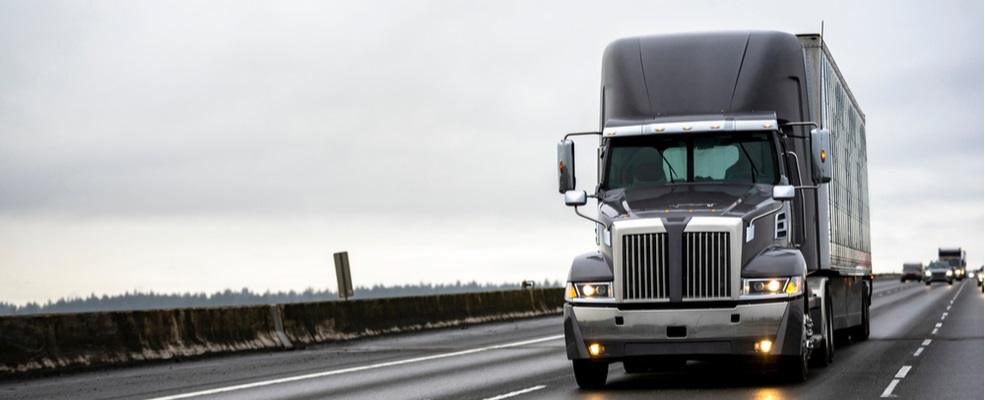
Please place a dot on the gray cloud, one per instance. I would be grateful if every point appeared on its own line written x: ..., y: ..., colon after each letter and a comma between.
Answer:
x: 441, y: 113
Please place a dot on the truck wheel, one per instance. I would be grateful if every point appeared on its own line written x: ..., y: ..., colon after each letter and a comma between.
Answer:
x: 860, y: 333
x: 589, y: 374
x: 928, y: 283
x: 824, y: 354
x: 795, y: 368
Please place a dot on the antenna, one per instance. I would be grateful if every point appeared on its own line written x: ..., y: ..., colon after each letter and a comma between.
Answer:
x: 822, y: 29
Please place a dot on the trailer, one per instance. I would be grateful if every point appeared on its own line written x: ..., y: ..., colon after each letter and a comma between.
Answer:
x: 732, y: 216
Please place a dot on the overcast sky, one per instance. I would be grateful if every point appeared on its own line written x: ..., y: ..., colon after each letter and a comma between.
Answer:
x: 195, y: 146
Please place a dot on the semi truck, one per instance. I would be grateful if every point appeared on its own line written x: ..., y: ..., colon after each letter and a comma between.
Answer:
x: 731, y: 208
x: 955, y: 258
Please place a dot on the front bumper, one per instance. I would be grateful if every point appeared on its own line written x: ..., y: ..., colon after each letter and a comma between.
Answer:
x: 690, y: 333
x: 938, y: 277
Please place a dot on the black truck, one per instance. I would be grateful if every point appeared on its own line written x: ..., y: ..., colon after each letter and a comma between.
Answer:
x: 732, y: 211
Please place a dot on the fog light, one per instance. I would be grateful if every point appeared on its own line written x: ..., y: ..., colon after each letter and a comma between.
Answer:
x: 764, y: 346
x: 595, y: 349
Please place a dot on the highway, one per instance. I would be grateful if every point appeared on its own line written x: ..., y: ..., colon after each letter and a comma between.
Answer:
x: 926, y: 342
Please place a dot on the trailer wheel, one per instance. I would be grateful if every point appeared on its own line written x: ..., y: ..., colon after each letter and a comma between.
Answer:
x: 860, y: 333
x: 589, y: 374
x: 824, y: 354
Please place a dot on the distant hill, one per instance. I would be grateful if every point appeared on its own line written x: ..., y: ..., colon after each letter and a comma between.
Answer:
x: 150, y: 300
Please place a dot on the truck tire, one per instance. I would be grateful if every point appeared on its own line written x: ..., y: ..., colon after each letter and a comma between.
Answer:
x: 824, y: 354
x: 860, y: 333
x: 590, y: 374
x: 795, y: 368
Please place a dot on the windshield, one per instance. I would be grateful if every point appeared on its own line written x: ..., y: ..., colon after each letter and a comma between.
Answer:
x: 952, y: 258
x: 658, y: 160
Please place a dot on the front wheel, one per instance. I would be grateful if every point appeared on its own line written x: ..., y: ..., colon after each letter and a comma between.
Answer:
x: 589, y: 374
x: 794, y: 368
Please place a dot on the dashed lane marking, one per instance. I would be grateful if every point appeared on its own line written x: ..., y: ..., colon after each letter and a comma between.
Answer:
x: 517, y: 393
x: 889, y: 389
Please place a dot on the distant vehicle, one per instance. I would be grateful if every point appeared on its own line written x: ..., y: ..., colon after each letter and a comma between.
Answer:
x: 954, y: 257
x: 938, y: 272
x: 912, y: 272
x: 981, y: 274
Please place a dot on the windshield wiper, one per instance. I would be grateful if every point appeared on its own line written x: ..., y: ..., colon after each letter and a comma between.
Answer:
x: 751, y: 164
x: 672, y: 172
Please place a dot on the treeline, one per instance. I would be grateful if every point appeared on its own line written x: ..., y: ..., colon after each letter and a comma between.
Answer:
x: 149, y: 300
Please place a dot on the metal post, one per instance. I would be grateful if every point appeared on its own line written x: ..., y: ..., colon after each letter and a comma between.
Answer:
x: 342, y: 275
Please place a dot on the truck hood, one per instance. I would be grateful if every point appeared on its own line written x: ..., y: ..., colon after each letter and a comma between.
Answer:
x: 734, y: 200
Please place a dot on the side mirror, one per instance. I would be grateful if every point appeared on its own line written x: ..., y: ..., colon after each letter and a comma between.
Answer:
x: 566, y: 166
x: 783, y: 192
x: 820, y: 154
x: 575, y: 198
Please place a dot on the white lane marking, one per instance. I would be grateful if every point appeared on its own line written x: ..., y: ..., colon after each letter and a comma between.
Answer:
x: 934, y: 332
x: 917, y: 354
x: 902, y: 372
x: 948, y: 308
x: 939, y: 324
x: 889, y: 389
x: 355, y: 369
x: 516, y: 393
x: 926, y: 342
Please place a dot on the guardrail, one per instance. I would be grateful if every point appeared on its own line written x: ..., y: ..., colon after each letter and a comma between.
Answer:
x: 58, y: 342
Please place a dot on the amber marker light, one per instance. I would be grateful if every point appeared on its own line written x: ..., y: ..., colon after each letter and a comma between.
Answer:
x: 764, y: 346
x: 824, y: 156
x: 595, y: 349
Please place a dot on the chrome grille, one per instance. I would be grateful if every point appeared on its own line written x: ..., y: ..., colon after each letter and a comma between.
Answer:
x: 707, y: 272
x: 644, y: 266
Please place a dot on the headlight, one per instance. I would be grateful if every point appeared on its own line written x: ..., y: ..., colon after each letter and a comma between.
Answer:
x: 927, y: 272
x: 773, y: 287
x: 948, y: 273
x: 589, y: 291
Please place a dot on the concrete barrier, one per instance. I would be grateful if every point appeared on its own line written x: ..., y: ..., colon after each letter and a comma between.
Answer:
x: 326, y: 321
x: 58, y: 342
